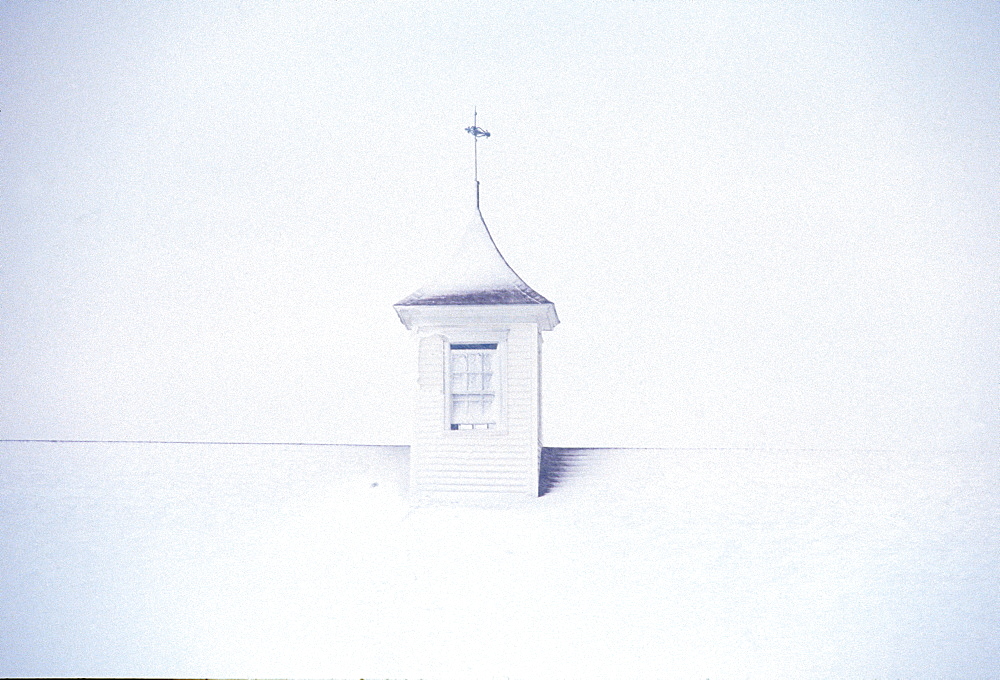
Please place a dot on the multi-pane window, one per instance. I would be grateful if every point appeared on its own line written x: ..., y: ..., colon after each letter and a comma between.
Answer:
x: 473, y: 388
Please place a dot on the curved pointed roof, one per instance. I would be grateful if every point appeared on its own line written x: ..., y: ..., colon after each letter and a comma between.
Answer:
x: 477, y: 274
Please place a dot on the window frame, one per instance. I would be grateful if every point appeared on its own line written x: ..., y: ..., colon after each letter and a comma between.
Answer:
x: 498, y: 383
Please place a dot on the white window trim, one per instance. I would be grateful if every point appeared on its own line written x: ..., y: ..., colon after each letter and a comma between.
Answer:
x: 465, y: 337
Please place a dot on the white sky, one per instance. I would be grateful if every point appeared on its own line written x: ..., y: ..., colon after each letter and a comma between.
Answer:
x: 761, y: 223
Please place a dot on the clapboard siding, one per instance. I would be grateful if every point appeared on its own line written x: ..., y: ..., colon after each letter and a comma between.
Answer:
x: 499, y: 461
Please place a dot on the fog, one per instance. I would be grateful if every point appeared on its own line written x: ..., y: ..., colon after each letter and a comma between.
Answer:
x: 761, y: 224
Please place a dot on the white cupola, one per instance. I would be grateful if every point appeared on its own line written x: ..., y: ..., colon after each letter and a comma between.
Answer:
x: 478, y: 405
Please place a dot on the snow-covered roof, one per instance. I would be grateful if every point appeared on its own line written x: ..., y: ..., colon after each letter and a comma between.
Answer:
x: 477, y: 274
x: 228, y: 560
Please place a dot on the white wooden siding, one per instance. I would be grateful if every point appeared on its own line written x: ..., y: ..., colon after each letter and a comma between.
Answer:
x: 504, y: 461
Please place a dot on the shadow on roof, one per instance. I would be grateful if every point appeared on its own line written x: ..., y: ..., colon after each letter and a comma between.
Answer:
x: 558, y: 464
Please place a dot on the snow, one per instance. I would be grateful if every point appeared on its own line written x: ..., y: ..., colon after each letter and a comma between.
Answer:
x: 307, y: 561
x: 476, y: 273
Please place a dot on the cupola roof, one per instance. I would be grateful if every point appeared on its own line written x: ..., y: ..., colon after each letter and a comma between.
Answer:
x: 477, y: 286
x: 477, y: 274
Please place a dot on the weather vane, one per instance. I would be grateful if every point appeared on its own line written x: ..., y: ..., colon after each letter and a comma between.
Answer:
x: 476, y: 132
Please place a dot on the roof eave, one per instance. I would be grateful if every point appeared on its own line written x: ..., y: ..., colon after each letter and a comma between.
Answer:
x: 415, y: 316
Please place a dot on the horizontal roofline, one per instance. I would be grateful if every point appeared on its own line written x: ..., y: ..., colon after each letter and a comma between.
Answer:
x: 541, y: 313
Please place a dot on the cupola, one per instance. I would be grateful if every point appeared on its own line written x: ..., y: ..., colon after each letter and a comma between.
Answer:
x: 477, y: 430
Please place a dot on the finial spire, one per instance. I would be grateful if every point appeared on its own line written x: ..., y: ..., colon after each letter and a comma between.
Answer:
x: 476, y: 133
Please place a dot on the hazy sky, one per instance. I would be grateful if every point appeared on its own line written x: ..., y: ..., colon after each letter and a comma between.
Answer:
x: 761, y: 223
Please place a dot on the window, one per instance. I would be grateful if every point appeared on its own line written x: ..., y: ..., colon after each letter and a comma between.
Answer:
x: 473, y: 387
